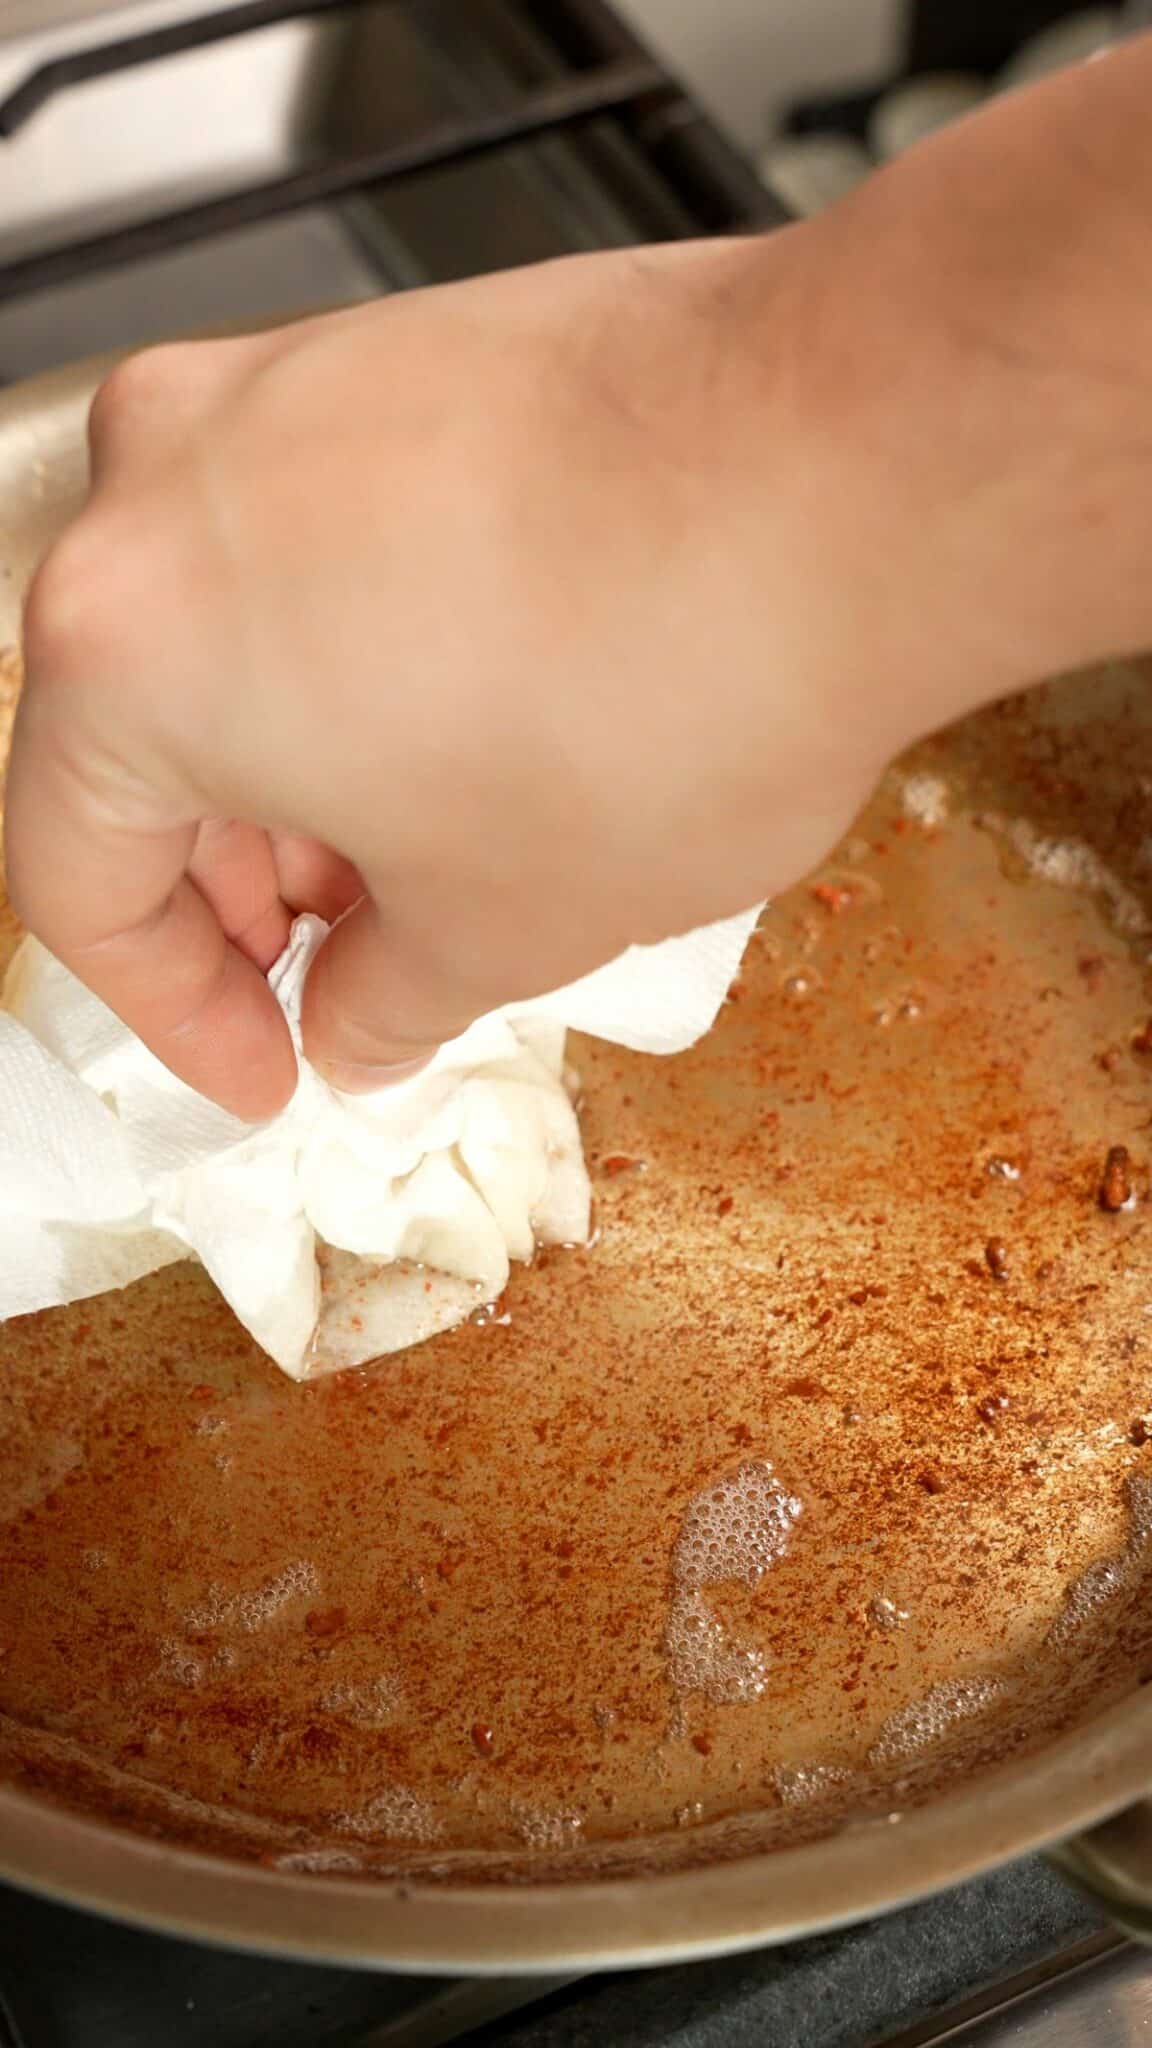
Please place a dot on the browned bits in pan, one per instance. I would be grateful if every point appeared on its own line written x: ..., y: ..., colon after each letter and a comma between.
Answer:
x: 996, y: 1258
x: 991, y: 1408
x: 325, y: 1621
x: 615, y: 1163
x: 1142, y: 1039
x: 875, y: 1291
x: 1116, y: 1186
x: 444, y: 1498
x: 833, y: 897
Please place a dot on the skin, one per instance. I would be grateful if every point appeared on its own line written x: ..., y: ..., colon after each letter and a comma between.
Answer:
x: 514, y: 621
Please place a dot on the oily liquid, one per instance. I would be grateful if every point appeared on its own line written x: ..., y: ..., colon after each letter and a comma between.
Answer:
x: 820, y: 1477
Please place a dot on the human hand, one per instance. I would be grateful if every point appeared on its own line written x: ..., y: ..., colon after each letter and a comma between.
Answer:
x: 543, y: 614
x: 456, y: 608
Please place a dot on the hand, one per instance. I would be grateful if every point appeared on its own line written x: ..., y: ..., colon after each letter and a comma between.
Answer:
x: 521, y: 619
x: 461, y: 609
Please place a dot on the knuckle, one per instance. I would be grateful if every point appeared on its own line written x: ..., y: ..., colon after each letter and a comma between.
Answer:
x: 133, y: 389
x: 67, y: 607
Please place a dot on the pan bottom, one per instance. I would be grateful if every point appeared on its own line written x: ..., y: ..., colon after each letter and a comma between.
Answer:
x: 819, y: 1479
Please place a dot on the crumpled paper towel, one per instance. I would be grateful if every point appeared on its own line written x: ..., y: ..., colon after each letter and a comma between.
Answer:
x: 348, y: 1226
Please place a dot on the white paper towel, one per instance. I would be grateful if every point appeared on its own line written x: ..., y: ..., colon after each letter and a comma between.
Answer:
x: 347, y: 1226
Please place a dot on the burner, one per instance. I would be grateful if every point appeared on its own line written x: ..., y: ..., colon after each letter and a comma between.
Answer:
x: 10, y: 2035
x: 1009, y: 1951
x: 385, y: 142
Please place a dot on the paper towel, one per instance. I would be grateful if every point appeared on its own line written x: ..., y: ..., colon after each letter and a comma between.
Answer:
x: 348, y: 1226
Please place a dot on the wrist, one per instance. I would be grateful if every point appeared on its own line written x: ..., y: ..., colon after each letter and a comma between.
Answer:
x: 969, y: 410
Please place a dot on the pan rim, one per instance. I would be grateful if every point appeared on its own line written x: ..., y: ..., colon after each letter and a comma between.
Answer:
x: 866, y: 1869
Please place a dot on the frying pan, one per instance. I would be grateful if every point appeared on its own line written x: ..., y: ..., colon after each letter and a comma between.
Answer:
x: 779, y: 1557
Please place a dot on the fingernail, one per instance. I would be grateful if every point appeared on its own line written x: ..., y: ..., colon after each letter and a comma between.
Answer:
x: 350, y: 1077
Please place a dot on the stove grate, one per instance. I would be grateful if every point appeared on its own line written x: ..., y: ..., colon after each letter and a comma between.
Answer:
x: 606, y: 72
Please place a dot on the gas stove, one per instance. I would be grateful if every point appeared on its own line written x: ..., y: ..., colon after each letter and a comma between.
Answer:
x: 168, y: 169
x: 1014, y: 1960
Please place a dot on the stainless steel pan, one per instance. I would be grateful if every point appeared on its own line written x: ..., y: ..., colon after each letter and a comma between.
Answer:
x: 780, y: 1557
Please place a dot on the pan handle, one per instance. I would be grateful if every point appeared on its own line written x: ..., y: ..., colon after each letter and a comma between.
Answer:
x: 1112, y: 1863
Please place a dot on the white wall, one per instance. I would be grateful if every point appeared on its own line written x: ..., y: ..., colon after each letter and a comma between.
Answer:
x: 746, y: 57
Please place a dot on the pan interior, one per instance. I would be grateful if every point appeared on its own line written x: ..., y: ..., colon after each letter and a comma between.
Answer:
x: 820, y: 1478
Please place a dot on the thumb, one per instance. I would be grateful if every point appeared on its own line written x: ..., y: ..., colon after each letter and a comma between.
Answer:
x: 378, y: 1002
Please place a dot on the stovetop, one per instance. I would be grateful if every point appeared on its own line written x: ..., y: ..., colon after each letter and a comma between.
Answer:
x: 1014, y: 1958
x: 361, y: 147
x: 174, y: 164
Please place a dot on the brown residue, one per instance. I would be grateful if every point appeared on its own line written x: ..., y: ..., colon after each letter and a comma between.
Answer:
x: 615, y: 1163
x: 1116, y: 1185
x: 497, y: 1520
x: 991, y: 1408
x: 326, y: 1621
x: 832, y: 895
x: 996, y: 1258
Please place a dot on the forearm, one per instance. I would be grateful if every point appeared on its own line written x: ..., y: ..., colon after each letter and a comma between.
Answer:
x: 970, y: 484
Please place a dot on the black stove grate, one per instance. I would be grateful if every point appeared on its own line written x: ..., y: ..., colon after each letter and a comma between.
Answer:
x: 10, y: 2035
x: 603, y: 71
x: 150, y: 46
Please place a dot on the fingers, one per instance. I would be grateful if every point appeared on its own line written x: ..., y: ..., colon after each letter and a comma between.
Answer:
x: 376, y: 1007
x: 173, y: 924
x: 107, y: 892
x: 313, y: 877
x: 234, y: 869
